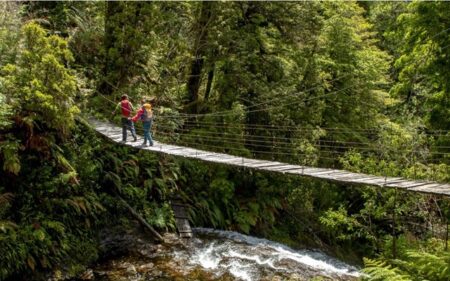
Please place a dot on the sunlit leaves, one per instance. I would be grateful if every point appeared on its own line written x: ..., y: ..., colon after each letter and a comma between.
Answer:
x: 341, y: 225
x: 9, y: 31
x: 40, y: 81
x: 417, y: 265
x: 380, y: 271
x: 10, y: 154
x: 160, y: 216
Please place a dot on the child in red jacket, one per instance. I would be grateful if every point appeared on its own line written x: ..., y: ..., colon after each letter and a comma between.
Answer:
x: 145, y: 114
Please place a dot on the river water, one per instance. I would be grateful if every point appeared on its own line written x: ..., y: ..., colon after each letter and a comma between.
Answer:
x: 220, y: 255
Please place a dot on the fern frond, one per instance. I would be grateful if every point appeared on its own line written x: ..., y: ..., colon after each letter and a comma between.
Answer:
x: 378, y: 270
x: 432, y: 266
x: 6, y: 198
x: 7, y: 225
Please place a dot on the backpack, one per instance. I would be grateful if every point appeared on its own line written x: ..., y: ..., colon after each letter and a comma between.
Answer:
x: 146, y: 115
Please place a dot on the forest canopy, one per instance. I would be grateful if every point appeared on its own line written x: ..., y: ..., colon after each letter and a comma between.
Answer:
x: 361, y: 86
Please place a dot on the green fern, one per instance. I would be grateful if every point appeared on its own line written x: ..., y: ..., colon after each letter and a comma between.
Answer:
x: 11, y: 162
x: 6, y: 226
x: 430, y: 266
x: 378, y: 270
x: 6, y: 198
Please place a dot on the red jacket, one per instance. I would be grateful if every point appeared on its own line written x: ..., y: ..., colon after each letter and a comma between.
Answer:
x: 148, y: 108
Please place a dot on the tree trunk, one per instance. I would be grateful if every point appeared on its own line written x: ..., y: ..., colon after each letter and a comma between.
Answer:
x: 200, y: 47
x: 121, y: 45
x: 141, y: 220
x: 209, y: 83
x: 256, y: 120
x: 112, y: 9
x: 256, y: 117
x: 128, y: 51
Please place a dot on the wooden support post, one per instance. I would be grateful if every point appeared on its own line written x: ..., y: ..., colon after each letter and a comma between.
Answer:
x: 394, y: 224
x: 141, y: 220
x: 446, y: 234
x: 446, y: 215
x: 181, y: 218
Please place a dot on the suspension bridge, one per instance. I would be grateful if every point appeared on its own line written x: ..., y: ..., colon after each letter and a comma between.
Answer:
x: 114, y: 133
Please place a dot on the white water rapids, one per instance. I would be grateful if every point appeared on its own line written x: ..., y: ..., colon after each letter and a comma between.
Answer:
x: 249, y: 258
x: 214, y: 255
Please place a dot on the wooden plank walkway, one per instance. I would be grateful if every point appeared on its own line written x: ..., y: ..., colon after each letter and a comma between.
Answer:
x: 114, y: 133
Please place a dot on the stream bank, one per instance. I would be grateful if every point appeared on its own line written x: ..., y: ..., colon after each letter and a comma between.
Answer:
x: 213, y: 255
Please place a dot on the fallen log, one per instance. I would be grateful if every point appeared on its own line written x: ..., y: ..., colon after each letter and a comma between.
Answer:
x: 135, y: 214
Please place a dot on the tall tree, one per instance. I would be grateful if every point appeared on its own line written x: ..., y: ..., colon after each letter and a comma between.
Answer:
x: 423, y: 84
x: 127, y: 24
x: 200, y: 47
x: 55, y: 16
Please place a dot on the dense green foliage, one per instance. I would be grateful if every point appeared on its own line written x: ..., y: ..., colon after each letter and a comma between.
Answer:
x: 415, y: 262
x: 362, y: 86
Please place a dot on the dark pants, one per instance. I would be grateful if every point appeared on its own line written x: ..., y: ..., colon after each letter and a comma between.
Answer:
x: 127, y: 124
x: 147, y: 132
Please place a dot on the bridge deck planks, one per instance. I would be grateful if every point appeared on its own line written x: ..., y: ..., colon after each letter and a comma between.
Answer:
x: 114, y: 133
